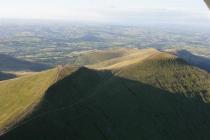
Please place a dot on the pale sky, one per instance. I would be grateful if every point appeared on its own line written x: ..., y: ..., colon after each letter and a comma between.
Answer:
x: 104, y: 10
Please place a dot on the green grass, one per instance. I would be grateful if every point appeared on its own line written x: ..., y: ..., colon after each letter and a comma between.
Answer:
x: 158, y: 98
x: 133, y: 56
x: 98, y: 105
x: 170, y: 73
x: 100, y: 56
x: 19, y: 96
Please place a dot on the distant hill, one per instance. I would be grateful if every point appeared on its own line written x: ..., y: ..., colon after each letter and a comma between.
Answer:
x: 90, y: 38
x: 131, y: 56
x: 6, y: 76
x: 100, y: 56
x: 9, y: 63
x: 199, y: 61
x: 147, y: 96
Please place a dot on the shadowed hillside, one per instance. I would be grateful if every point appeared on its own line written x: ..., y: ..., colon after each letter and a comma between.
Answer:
x: 137, y: 101
x: 6, y: 76
x: 146, y: 94
x: 9, y: 63
x: 199, y: 61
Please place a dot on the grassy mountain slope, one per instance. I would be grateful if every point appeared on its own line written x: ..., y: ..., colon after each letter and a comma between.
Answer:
x: 158, y: 98
x: 9, y: 63
x: 18, y: 97
x: 173, y: 74
x: 99, y: 56
x: 133, y: 57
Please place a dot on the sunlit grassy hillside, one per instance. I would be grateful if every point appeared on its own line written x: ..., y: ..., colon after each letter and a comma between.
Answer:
x: 155, y: 96
x: 18, y: 97
x: 98, y: 56
x: 135, y: 56
x: 173, y: 74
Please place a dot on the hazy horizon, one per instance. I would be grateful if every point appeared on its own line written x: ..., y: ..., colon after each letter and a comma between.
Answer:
x: 125, y: 12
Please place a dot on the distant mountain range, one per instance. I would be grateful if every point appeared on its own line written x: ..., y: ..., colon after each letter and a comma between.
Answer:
x: 5, y: 76
x: 196, y: 60
x: 9, y: 63
x: 119, y: 95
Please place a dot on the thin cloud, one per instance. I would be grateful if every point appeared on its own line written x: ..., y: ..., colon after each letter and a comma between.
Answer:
x: 105, y: 10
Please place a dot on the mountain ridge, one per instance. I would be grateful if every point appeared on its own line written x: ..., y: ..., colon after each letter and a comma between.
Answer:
x: 154, y: 96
